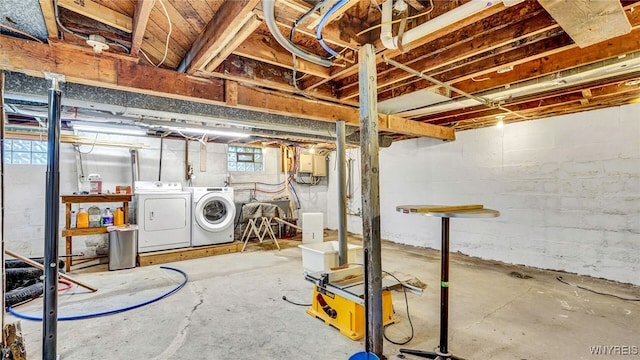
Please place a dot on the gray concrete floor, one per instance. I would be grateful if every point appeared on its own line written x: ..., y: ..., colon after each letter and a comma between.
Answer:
x: 232, y: 308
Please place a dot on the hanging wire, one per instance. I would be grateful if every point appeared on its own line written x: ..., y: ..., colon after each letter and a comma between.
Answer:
x: 294, y: 57
x: 166, y: 45
x: 398, y: 20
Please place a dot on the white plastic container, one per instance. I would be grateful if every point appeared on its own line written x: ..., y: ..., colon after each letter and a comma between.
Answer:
x: 95, y: 184
x: 312, y: 228
x: 324, y: 256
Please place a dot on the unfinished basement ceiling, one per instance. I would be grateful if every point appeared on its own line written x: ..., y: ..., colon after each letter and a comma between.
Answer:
x: 520, y: 60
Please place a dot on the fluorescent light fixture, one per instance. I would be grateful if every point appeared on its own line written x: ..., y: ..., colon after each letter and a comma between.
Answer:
x: 206, y: 131
x: 121, y: 130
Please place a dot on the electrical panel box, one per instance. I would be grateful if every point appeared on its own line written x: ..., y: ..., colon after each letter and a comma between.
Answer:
x: 319, y: 165
x: 306, y: 163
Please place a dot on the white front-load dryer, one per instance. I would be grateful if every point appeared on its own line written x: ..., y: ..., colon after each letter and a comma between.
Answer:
x: 213, y: 214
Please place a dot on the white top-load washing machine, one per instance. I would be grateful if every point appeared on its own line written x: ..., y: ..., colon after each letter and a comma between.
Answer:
x: 213, y: 214
x: 163, y: 212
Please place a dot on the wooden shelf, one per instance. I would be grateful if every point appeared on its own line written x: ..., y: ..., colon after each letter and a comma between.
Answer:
x: 84, y: 231
x: 95, y: 198
x: 68, y: 233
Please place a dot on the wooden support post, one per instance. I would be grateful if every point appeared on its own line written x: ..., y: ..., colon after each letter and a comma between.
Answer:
x: 2, y: 189
x: 371, y: 196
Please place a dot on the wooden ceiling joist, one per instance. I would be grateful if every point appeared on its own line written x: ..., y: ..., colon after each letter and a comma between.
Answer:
x: 83, y: 67
x: 221, y: 30
x: 49, y: 18
x: 266, y: 49
x: 100, y: 13
x: 140, y: 20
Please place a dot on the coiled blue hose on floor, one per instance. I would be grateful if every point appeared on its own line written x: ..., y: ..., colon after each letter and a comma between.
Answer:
x: 111, y: 312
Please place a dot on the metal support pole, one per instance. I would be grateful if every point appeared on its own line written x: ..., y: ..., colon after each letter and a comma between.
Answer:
x: 50, y: 312
x: 367, y: 79
x: 444, y: 288
x: 2, y: 191
x: 342, y: 193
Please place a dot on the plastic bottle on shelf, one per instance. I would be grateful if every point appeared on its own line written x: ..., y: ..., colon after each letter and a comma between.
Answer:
x: 118, y: 217
x: 82, y: 219
x: 107, y: 217
x: 95, y: 219
x: 73, y: 220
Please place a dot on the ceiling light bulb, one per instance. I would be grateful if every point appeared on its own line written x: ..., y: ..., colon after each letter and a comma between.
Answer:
x: 499, y: 124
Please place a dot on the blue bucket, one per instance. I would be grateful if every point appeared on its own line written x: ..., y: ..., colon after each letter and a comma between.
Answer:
x: 363, y: 355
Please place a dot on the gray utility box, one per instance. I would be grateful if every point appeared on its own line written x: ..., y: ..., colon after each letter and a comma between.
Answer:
x: 122, y: 246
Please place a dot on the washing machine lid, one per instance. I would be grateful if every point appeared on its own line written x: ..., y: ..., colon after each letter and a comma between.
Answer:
x: 214, y: 212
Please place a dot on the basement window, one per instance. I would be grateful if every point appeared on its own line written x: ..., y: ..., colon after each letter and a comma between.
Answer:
x: 244, y: 159
x: 33, y: 152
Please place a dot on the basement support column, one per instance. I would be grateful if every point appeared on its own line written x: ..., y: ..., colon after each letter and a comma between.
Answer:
x: 52, y: 209
x: 342, y: 193
x: 367, y: 79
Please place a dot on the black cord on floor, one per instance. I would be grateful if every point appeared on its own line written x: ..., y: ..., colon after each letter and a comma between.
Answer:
x: 406, y: 302
x: 293, y: 302
x: 596, y: 292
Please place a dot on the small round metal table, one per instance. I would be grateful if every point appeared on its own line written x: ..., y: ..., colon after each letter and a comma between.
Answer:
x: 444, y: 212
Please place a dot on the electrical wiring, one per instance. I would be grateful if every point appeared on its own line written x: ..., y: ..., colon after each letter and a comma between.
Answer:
x: 77, y: 147
x: 324, y: 19
x: 397, y: 20
x: 21, y: 32
x: 166, y: 45
x: 57, y: 16
x: 406, y: 302
x: 561, y: 279
x: 293, y: 302
x: 294, y: 57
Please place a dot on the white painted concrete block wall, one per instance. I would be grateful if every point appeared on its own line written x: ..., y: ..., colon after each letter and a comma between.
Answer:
x: 25, y: 184
x: 568, y: 189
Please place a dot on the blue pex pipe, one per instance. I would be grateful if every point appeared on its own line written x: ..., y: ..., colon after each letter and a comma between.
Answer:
x: 115, y: 311
x: 333, y: 9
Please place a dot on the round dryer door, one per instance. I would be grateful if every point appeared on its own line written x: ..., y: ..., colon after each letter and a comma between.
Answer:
x: 214, y: 212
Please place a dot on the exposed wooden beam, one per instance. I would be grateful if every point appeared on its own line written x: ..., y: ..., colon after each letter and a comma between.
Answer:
x: 266, y: 49
x: 301, y: 7
x: 415, y: 4
x: 339, y: 73
x: 49, y: 18
x: 568, y: 59
x: 589, y: 22
x: 470, y: 41
x: 83, y: 67
x: 252, y: 72
x: 249, y: 27
x: 100, y: 13
x: 396, y: 124
x: 140, y: 19
x: 231, y: 93
x: 539, y: 105
x: 326, y: 7
x: 221, y: 30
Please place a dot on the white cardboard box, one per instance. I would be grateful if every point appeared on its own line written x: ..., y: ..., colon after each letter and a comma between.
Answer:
x: 312, y: 228
x: 324, y: 256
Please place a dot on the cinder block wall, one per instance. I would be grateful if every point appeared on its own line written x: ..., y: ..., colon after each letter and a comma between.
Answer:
x: 568, y: 189
x: 25, y: 184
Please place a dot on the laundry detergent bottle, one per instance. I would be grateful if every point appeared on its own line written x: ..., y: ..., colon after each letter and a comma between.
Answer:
x: 82, y: 219
x: 118, y: 217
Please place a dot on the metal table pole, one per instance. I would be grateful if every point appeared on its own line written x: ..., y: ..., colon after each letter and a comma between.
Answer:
x: 442, y: 352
